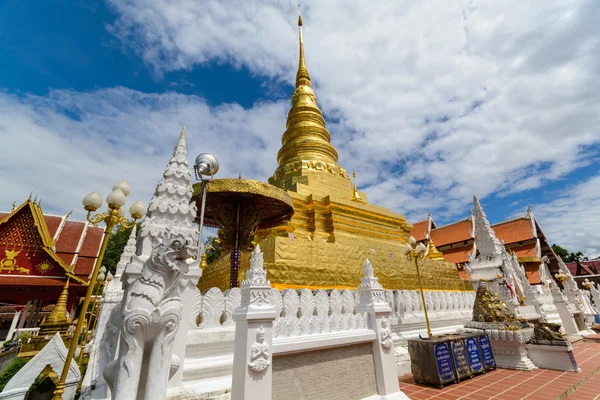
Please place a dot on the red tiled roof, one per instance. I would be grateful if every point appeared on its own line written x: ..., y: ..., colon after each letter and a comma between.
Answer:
x: 67, y: 245
x: 91, y: 243
x: 419, y: 230
x: 19, y: 280
x: 453, y: 233
x: 588, y: 267
x: 53, y: 222
x: 69, y: 237
x: 513, y: 231
x: 84, y: 266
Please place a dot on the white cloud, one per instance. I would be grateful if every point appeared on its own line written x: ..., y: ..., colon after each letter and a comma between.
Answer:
x: 123, y: 134
x: 514, y: 82
x: 572, y: 219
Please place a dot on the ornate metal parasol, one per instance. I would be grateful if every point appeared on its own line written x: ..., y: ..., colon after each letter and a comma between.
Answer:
x: 238, y: 207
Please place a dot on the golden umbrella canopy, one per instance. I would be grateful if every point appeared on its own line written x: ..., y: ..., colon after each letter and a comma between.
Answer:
x: 238, y: 207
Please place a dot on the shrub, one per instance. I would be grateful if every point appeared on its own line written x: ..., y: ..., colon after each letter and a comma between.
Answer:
x: 12, y: 370
x: 24, y: 335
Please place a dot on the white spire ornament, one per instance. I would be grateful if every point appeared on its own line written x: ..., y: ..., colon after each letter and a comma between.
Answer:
x: 170, y: 210
x: 487, y: 242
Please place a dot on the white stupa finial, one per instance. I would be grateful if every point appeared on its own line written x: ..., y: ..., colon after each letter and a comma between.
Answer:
x: 171, y: 211
x: 368, y: 269
x: 256, y: 260
x: 128, y: 252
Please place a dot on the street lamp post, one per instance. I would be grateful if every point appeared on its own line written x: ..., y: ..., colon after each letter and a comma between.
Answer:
x: 116, y: 199
x: 417, y: 252
x: 205, y: 165
x: 100, y: 280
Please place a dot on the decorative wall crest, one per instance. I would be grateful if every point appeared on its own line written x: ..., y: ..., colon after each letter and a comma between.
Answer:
x: 259, y: 353
x: 256, y: 288
x: 370, y: 289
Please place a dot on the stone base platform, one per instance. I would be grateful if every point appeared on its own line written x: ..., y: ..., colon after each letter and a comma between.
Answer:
x: 553, y: 356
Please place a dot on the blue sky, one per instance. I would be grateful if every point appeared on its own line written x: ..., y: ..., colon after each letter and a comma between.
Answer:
x: 94, y: 90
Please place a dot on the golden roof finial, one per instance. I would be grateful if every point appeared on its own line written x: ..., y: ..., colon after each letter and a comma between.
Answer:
x: 302, y: 76
x: 182, y: 134
x: 203, y: 263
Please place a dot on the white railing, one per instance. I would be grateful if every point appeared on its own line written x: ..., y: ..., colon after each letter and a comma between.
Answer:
x: 303, y: 312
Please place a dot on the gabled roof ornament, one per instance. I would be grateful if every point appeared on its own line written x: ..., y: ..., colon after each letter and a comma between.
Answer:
x: 487, y: 242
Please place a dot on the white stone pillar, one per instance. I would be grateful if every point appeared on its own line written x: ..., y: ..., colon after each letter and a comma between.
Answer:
x: 252, y: 359
x: 372, y: 301
x: 13, y: 325
x: 566, y: 316
x: 179, y: 345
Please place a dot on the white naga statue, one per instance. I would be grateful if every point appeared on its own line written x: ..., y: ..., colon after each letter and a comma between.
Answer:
x: 151, y: 316
x: 259, y: 353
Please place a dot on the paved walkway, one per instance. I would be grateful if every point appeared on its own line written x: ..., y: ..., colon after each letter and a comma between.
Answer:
x: 506, y: 384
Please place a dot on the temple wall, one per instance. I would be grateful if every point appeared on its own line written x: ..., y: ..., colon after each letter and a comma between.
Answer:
x: 310, y: 375
x: 208, y: 361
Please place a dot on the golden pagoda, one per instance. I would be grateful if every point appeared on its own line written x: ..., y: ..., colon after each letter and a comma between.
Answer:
x: 334, y: 228
x: 56, y: 322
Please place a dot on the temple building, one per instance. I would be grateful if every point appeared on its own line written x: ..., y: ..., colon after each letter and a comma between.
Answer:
x: 39, y: 254
x: 334, y: 228
x: 582, y: 270
x: 521, y: 235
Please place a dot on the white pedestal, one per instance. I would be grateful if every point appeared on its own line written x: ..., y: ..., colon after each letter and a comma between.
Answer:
x: 556, y: 357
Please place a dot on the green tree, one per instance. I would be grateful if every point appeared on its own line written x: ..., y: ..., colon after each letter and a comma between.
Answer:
x: 115, y: 247
x: 561, y: 252
x: 212, y: 247
x: 566, y: 255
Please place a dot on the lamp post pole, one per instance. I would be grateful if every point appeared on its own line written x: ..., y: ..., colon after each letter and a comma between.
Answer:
x: 84, y: 339
x: 417, y: 252
x: 116, y: 199
x: 205, y: 165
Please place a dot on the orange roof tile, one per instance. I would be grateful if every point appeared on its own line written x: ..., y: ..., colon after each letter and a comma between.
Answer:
x: 458, y: 255
x: 419, y: 230
x: 513, y: 231
x: 525, y: 251
x: 457, y: 232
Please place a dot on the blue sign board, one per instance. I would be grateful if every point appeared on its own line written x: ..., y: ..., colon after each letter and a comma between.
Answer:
x: 444, y: 363
x: 474, y: 356
x: 573, y: 362
x: 460, y: 358
x: 486, y: 350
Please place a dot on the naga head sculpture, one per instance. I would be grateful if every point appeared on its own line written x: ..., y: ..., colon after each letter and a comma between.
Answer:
x: 172, y: 252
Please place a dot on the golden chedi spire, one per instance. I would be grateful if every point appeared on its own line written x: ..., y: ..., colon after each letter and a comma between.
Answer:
x: 306, y: 143
x: 57, y: 320
x: 355, y: 192
x: 433, y: 253
x: 334, y: 227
